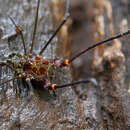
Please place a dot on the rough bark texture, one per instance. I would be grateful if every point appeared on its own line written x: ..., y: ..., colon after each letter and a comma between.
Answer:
x: 40, y: 111
x: 94, y: 21
x: 86, y: 106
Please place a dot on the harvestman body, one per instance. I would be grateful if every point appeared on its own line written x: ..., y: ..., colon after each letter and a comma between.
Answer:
x: 34, y: 70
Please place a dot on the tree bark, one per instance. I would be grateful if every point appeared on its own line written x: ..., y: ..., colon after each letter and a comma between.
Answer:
x: 110, y: 65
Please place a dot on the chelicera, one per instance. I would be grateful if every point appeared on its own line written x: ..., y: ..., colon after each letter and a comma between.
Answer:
x: 34, y: 70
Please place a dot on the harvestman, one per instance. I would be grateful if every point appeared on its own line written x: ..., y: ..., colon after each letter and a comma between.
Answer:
x: 34, y: 70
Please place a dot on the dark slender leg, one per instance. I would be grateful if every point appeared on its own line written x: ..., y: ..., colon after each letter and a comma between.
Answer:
x: 16, y: 77
x: 35, y: 27
x: 99, y: 43
x: 59, y: 27
x: 53, y: 86
x: 20, y: 31
x: 15, y: 54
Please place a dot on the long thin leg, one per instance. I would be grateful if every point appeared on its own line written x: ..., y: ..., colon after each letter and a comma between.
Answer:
x: 99, y: 43
x: 35, y: 27
x: 58, y: 28
x: 20, y: 31
x: 17, y: 55
x: 15, y: 65
x: 17, y: 77
x: 54, y: 86
x: 8, y: 65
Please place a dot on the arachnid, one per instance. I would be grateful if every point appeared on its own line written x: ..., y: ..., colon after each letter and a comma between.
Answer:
x: 34, y: 71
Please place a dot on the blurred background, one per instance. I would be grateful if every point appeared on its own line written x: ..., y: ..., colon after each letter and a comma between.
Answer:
x: 92, y: 21
x: 109, y: 64
x: 85, y: 15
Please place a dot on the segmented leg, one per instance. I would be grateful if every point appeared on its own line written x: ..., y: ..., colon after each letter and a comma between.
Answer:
x: 13, y: 64
x: 35, y: 27
x: 11, y: 56
x: 67, y: 14
x: 7, y: 64
x: 19, y: 30
x: 99, y: 43
x: 54, y: 86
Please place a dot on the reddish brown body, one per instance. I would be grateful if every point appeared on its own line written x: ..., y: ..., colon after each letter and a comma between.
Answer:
x: 38, y: 71
x: 36, y: 67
